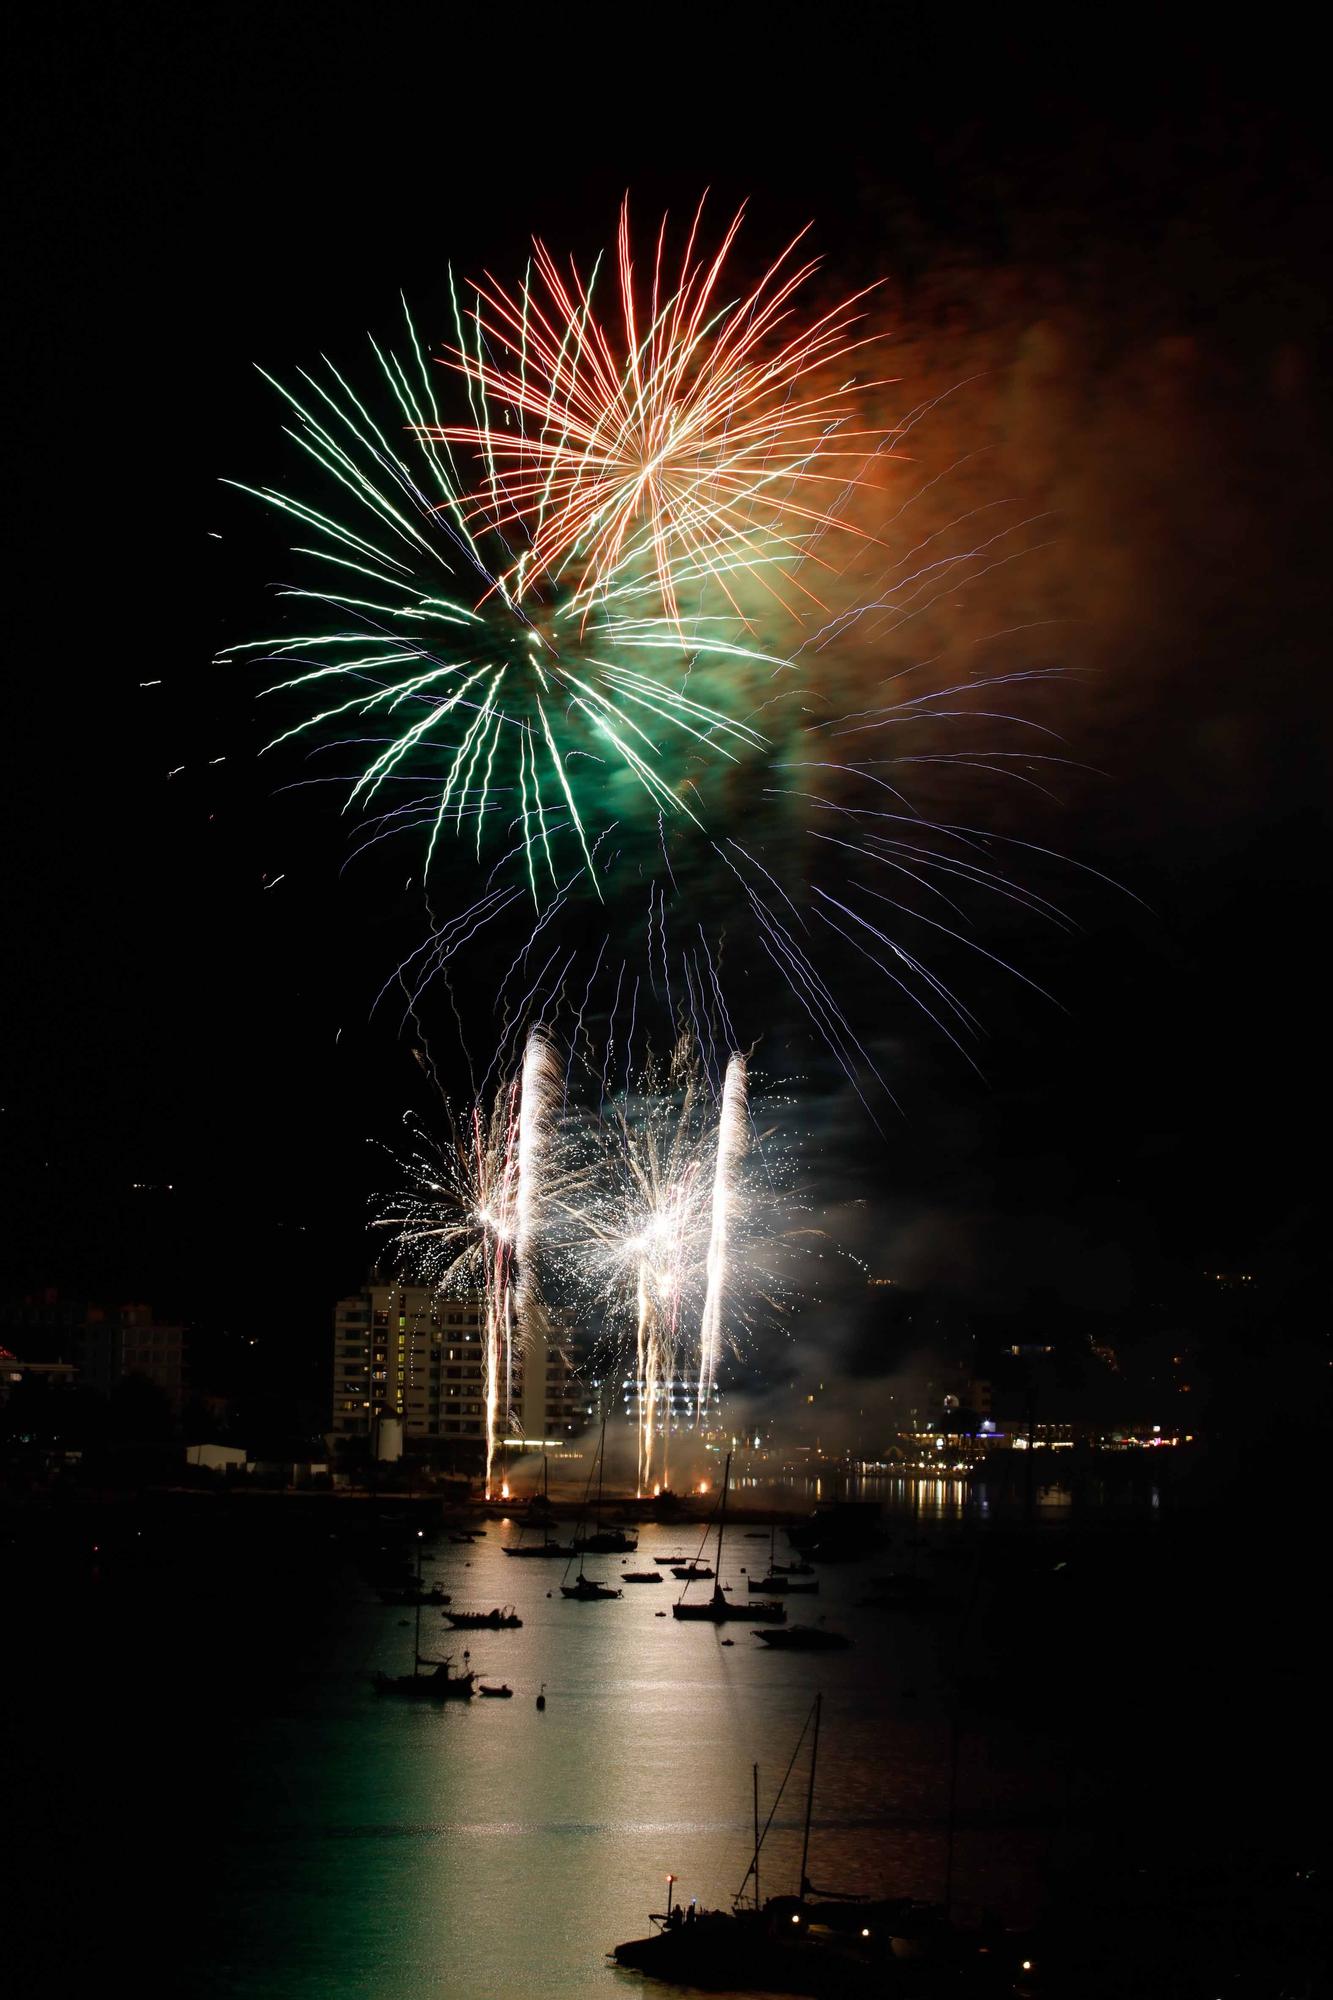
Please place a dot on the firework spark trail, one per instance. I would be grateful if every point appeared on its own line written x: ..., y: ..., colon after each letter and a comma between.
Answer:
x: 689, y: 439
x: 539, y: 1096
x: 470, y: 1218
x: 663, y: 1275
x: 497, y: 1321
x: 732, y: 1137
x: 644, y: 1372
x: 454, y: 1228
x: 643, y: 1214
x: 642, y: 1229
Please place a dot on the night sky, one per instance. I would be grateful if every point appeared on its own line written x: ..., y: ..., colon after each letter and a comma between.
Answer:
x: 1126, y: 245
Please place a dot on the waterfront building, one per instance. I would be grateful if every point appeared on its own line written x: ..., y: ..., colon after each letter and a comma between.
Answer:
x: 403, y: 1351
x: 410, y: 1353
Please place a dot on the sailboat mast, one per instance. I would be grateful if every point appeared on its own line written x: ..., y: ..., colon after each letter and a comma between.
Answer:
x: 810, y: 1799
x: 756, y: 1839
x: 722, y: 1524
x: 601, y: 1466
x: 416, y: 1640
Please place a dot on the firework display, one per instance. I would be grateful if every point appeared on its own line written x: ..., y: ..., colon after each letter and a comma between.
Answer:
x: 643, y: 1237
x: 617, y: 655
x: 620, y: 650
x: 642, y: 1217
x: 732, y: 1133
x: 686, y: 434
x: 466, y: 1221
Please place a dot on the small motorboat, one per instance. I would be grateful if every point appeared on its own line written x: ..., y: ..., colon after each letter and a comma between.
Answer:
x: 498, y: 1620
x: 502, y: 1693
x: 782, y: 1584
x: 669, y: 1562
x: 641, y: 1576
x: 691, y: 1569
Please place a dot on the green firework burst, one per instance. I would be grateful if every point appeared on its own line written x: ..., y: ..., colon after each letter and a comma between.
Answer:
x: 475, y: 709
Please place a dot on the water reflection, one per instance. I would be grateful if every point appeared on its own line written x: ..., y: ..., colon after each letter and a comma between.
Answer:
x: 500, y: 1850
x: 943, y: 1496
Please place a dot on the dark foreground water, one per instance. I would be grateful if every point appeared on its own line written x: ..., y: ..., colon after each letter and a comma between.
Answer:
x: 207, y: 1793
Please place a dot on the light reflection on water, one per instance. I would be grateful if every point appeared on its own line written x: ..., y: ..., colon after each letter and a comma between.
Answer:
x: 487, y: 1849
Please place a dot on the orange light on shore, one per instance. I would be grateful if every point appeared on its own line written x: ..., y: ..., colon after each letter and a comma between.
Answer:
x: 657, y: 1492
x: 504, y: 1490
x: 702, y: 1486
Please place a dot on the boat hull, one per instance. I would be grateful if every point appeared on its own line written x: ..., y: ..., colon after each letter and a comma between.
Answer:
x: 719, y: 1612
x: 425, y: 1687
x: 798, y: 1640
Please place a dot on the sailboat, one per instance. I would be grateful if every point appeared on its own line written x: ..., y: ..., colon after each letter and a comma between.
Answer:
x: 586, y: 1588
x: 539, y: 1509
x: 717, y: 1608
x: 545, y: 1547
x: 539, y: 1506
x: 754, y: 1946
x: 823, y: 1941
x: 443, y: 1684
x: 780, y: 1580
x: 605, y: 1541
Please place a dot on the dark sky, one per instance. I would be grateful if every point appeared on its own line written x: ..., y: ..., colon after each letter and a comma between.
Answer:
x: 1134, y: 236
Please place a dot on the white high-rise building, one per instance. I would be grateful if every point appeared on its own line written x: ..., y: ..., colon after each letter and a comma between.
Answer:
x: 404, y: 1351
x: 408, y: 1351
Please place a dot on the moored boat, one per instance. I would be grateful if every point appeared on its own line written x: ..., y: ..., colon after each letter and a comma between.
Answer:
x: 441, y: 1685
x: 608, y: 1542
x: 805, y: 1639
x: 827, y: 1942
x: 586, y: 1589
x: 716, y: 1609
